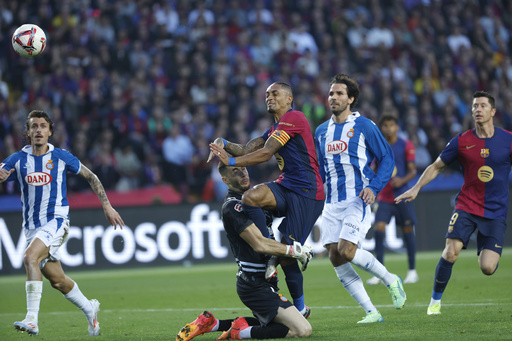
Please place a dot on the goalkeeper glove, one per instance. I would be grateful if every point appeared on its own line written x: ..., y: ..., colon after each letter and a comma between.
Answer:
x: 303, y: 253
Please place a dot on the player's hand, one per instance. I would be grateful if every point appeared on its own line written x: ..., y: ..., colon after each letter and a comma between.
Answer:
x: 219, y: 152
x: 114, y: 218
x: 303, y: 253
x: 368, y: 196
x: 407, y: 196
x: 219, y: 142
x: 4, y: 174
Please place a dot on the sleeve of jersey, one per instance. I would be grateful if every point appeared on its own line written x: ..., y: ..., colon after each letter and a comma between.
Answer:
x: 290, y: 124
x: 384, y: 154
x: 237, y: 217
x: 320, y: 155
x: 451, y: 151
x: 410, y: 152
x: 8, y: 164
x: 72, y: 163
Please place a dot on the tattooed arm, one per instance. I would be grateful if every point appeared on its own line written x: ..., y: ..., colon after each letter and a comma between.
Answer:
x: 236, y: 149
x: 110, y: 213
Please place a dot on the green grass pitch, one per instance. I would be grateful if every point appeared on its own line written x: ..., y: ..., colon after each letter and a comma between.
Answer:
x: 153, y: 303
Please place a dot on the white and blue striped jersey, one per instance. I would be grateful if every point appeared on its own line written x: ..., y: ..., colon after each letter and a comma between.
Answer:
x: 42, y: 183
x: 345, y: 153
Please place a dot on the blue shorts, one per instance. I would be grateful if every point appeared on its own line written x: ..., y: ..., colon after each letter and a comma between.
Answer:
x: 300, y: 213
x: 403, y: 212
x: 491, y: 232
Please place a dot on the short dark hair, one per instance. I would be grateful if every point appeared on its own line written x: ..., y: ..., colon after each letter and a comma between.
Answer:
x: 37, y: 114
x: 386, y: 118
x: 222, y: 168
x: 352, y: 86
x: 288, y: 88
x: 479, y: 94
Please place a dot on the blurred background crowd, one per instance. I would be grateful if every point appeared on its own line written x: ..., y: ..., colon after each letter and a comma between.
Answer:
x: 138, y: 88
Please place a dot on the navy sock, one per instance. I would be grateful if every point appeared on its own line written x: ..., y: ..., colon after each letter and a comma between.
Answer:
x: 258, y: 218
x: 443, y: 274
x: 294, y: 281
x: 410, y: 243
x: 379, y: 245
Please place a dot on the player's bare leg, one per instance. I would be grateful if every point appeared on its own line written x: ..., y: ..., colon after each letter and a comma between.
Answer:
x: 293, y: 319
x: 488, y: 261
x: 34, y: 254
x: 55, y: 274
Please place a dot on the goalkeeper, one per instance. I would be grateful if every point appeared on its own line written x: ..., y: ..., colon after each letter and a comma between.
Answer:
x: 275, y: 316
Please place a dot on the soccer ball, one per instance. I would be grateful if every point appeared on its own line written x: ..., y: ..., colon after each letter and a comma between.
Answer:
x: 29, y: 40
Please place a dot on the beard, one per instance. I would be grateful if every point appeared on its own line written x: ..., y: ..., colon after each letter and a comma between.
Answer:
x: 341, y: 109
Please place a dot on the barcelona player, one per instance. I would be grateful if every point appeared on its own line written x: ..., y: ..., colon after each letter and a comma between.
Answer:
x: 484, y: 153
x: 40, y: 172
x: 347, y: 144
x: 298, y: 194
x: 405, y: 170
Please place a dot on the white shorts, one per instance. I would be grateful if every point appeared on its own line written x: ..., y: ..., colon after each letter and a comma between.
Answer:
x: 52, y: 236
x: 349, y: 220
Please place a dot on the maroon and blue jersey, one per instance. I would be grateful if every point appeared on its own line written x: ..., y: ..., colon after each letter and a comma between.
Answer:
x: 297, y: 158
x: 404, y: 153
x: 486, y: 165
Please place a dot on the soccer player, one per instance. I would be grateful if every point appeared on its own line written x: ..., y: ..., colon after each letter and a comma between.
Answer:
x: 405, y: 170
x: 484, y: 153
x: 298, y: 194
x: 251, y: 246
x: 347, y: 144
x: 40, y: 172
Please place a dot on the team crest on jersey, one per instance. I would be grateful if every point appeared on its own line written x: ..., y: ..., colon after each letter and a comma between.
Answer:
x: 38, y: 179
x: 336, y: 147
x: 350, y: 133
x: 484, y: 152
x: 49, y: 165
x: 238, y: 207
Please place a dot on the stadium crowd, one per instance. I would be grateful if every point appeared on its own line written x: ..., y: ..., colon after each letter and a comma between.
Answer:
x: 137, y: 88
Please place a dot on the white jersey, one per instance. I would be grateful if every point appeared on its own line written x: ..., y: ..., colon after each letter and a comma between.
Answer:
x: 345, y: 152
x: 42, y: 183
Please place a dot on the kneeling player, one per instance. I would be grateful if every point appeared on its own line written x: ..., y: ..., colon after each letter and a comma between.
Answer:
x: 275, y: 316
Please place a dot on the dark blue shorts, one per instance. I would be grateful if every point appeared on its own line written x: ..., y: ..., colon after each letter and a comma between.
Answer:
x: 491, y: 232
x: 403, y: 212
x: 260, y: 295
x: 300, y: 213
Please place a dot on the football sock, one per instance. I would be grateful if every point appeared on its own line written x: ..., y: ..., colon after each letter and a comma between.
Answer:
x: 294, y: 281
x: 246, y: 333
x: 76, y: 297
x: 443, y: 274
x: 367, y: 262
x: 270, y: 331
x: 34, y: 290
x: 379, y: 245
x: 410, y: 244
x: 222, y: 325
x: 258, y: 217
x: 354, y: 285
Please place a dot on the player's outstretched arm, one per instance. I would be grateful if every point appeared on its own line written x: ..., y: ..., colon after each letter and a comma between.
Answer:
x: 259, y: 243
x: 428, y: 175
x: 236, y: 149
x: 110, y: 213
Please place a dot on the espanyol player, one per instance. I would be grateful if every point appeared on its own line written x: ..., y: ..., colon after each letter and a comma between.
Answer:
x: 346, y: 145
x: 40, y: 172
x: 484, y: 153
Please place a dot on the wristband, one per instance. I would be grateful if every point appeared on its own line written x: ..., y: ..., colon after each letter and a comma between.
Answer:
x: 289, y: 250
x: 225, y: 142
x: 232, y: 161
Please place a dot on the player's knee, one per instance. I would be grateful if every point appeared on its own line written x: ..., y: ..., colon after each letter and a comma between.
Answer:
x: 30, y: 259
x: 488, y: 270
x: 304, y: 330
x: 250, y: 198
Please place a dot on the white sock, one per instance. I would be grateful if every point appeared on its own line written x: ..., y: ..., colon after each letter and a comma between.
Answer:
x: 216, y: 326
x: 354, y: 285
x: 76, y: 297
x: 34, y: 290
x: 433, y: 301
x: 367, y: 262
x: 245, y: 333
